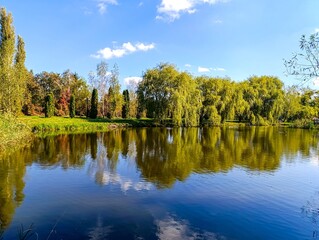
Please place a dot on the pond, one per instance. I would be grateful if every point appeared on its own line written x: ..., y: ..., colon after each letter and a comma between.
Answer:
x: 161, y: 183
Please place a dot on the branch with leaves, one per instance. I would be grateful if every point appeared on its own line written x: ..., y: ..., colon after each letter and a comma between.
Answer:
x: 305, y: 65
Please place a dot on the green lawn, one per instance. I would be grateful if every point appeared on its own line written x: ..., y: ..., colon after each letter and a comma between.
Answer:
x: 79, y: 124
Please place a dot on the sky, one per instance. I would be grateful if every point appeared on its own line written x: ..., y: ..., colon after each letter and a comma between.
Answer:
x: 225, y: 38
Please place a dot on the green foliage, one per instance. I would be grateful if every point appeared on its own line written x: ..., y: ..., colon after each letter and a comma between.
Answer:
x: 12, y: 132
x: 155, y: 90
x: 12, y: 68
x: 126, y: 104
x: 305, y: 65
x: 94, y: 104
x: 72, y: 106
x: 265, y: 97
x: 111, y: 104
x: 166, y: 93
x: 61, y: 85
x: 49, y: 105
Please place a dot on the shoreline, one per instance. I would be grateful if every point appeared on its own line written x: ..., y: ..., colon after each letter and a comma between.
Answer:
x: 18, y: 132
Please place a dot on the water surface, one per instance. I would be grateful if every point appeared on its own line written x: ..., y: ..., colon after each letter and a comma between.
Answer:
x: 235, y: 183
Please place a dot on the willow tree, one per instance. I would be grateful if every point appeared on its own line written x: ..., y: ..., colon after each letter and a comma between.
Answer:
x: 185, y: 101
x: 265, y: 96
x: 209, y: 88
x: 155, y: 90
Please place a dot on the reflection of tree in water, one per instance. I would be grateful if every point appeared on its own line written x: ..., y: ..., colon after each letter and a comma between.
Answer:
x: 63, y: 150
x: 311, y: 211
x: 12, y: 172
x: 166, y: 155
x: 162, y: 156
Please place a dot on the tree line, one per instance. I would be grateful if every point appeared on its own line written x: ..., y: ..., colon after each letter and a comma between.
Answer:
x: 165, y: 93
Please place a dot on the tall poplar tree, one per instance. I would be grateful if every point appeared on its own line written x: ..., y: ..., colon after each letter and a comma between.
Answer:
x: 21, y: 75
x: 13, y: 73
x: 7, y: 48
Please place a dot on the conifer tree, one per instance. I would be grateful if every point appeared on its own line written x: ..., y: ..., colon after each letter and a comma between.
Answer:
x: 126, y: 104
x: 49, y: 105
x: 72, y: 106
x: 94, y: 104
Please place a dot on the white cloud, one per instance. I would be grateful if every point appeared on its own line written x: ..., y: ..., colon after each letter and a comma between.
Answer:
x: 125, y: 184
x: 126, y: 48
x: 317, y: 30
x: 102, y: 5
x: 188, y: 65
x: 203, y: 69
x: 219, y: 69
x: 172, y: 9
x: 316, y: 81
x: 172, y: 228
x: 143, y: 47
x: 132, y: 80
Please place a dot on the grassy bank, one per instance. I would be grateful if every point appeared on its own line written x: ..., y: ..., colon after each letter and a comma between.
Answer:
x: 13, y: 133
x: 73, y: 125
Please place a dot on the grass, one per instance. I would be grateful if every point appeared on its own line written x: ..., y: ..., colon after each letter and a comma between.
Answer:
x: 65, y: 124
x: 79, y: 124
x: 13, y: 132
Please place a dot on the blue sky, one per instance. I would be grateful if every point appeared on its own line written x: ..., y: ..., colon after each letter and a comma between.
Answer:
x: 234, y: 38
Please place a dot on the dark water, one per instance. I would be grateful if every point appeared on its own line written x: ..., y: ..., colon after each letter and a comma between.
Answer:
x: 255, y: 183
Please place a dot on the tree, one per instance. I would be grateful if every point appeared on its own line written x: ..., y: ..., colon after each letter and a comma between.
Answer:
x: 126, y: 104
x: 72, y: 106
x: 49, y: 105
x: 117, y: 100
x: 154, y: 91
x: 20, y: 75
x: 94, y: 104
x: 79, y: 88
x: 265, y: 97
x: 305, y: 65
x: 111, y: 103
x: 13, y: 73
x: 7, y: 49
x: 185, y: 101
